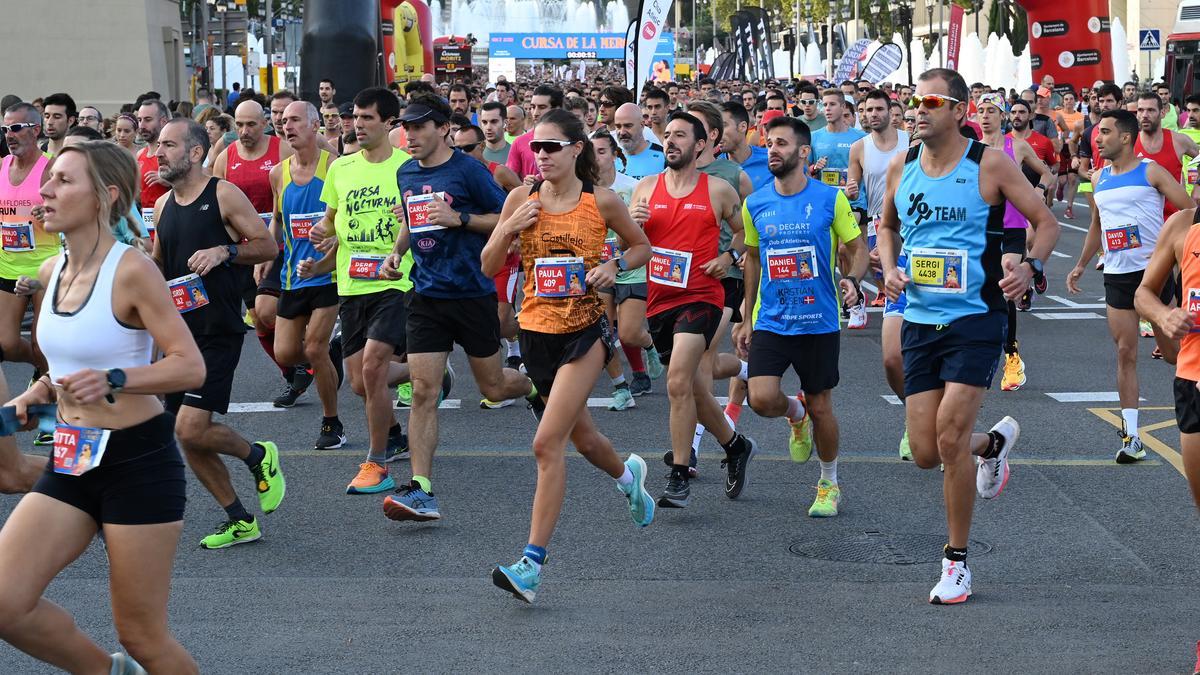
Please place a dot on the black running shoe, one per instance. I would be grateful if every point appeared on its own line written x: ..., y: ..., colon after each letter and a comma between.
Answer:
x: 640, y: 384
x: 669, y: 460
x: 514, y: 362
x: 332, y: 436
x: 736, y: 466
x: 397, y: 445
x: 1039, y: 284
x: 288, y: 398
x: 677, y: 493
x: 1026, y: 301
x: 302, y: 377
x: 536, y: 406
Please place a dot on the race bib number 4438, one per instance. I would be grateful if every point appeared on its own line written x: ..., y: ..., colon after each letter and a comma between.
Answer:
x: 938, y: 270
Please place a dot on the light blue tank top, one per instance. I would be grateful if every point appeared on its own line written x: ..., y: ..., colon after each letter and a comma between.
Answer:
x: 952, y: 239
x: 302, y: 208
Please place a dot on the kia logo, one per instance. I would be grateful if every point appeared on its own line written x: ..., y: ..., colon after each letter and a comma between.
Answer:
x: 648, y: 31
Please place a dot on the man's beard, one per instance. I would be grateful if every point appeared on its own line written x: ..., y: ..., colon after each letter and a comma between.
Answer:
x: 786, y: 167
x: 173, y: 172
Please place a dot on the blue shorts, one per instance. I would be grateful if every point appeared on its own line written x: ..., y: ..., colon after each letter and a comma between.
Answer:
x: 896, y: 308
x: 966, y: 351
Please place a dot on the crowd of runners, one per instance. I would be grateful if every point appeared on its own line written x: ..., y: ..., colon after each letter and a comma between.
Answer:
x: 694, y: 238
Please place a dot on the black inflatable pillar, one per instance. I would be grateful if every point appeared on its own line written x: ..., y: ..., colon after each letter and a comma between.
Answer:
x: 340, y: 43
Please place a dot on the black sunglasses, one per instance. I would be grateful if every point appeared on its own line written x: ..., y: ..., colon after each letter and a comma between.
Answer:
x: 550, y: 147
x: 470, y: 147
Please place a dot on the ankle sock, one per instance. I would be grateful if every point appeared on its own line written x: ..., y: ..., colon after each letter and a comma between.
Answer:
x: 423, y: 483
x: 536, y: 555
x: 829, y: 471
x: 257, y: 453
x: 795, y: 411
x: 236, y: 511
x: 733, y: 411
x: 626, y: 478
x: 954, y: 554
x: 736, y: 445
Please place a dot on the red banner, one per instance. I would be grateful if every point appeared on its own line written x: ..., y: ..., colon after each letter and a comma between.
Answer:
x: 1070, y: 41
x: 954, y: 39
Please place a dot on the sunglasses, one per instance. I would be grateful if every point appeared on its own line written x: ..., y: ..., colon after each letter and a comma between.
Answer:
x: 550, y: 147
x: 17, y: 128
x: 864, y: 90
x: 606, y: 104
x: 808, y: 101
x: 911, y: 120
x: 932, y: 101
x: 470, y: 147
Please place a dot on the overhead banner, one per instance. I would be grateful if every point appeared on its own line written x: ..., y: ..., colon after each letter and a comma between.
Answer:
x: 557, y: 45
x: 885, y: 61
x: 954, y: 38
x: 760, y: 30
x: 651, y: 16
x: 1069, y: 41
x: 850, y: 65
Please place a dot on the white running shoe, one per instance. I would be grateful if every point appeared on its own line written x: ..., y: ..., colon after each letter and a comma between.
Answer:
x: 858, y: 317
x: 954, y: 586
x: 992, y: 474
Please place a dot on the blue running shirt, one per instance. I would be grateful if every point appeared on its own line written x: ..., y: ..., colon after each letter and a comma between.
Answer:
x: 301, y: 208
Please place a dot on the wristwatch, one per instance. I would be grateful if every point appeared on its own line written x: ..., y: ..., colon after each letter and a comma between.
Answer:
x: 232, y: 250
x: 464, y: 218
x: 1036, y: 266
x: 116, y: 379
x: 733, y: 255
x: 622, y: 266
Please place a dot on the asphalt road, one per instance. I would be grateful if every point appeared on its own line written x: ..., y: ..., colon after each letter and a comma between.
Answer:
x: 1080, y: 566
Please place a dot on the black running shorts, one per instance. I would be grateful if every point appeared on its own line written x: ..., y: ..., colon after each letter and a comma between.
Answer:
x: 545, y: 353
x: 1187, y: 406
x: 1120, y: 288
x: 221, y: 354
x: 813, y: 357
x: 699, y: 318
x: 373, y: 316
x: 271, y: 284
x: 735, y: 292
x: 304, y: 301
x: 435, y: 325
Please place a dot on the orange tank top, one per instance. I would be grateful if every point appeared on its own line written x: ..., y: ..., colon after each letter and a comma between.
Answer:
x: 557, y: 253
x: 1188, y: 364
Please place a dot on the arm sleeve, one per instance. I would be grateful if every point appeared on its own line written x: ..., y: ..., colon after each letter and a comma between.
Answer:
x: 748, y: 228
x: 845, y: 224
x: 1014, y: 240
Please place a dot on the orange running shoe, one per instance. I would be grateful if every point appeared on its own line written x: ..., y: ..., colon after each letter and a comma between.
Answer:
x: 371, y: 478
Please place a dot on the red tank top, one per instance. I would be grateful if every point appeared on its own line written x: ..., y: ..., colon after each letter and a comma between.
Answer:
x: 253, y: 177
x: 1166, y: 158
x: 148, y: 164
x: 683, y: 234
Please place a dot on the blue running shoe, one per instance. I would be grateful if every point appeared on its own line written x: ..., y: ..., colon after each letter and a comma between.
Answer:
x: 520, y: 579
x: 641, y: 504
x: 411, y: 503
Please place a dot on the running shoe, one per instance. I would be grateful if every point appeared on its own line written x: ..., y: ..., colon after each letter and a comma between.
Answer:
x: 640, y: 385
x: 693, y: 461
x: 622, y: 399
x: 488, y: 404
x: 1040, y: 284
x: 641, y: 503
x: 1131, y: 450
x: 1145, y: 329
x: 43, y: 439
x: 248, y: 319
x: 735, y: 466
x: 397, y: 448
x: 1069, y: 214
x: 232, y: 533
x: 302, y: 377
x: 905, y: 451
x: 1157, y: 353
x: 858, y: 317
x: 333, y: 436
x: 372, y: 478
x: 991, y: 475
x: 1014, y: 373
x: 1025, y: 303
x: 654, y: 364
x: 411, y: 503
x: 880, y: 300
x: 289, y: 397
x: 954, y: 586
x: 123, y: 664
x: 521, y: 579
x: 404, y: 395
x: 268, y: 478
x: 800, y: 440
x: 676, y: 494
x: 447, y: 383
x: 826, y: 503
x: 1100, y: 262
x: 1196, y: 669
x: 514, y: 362
x: 536, y: 405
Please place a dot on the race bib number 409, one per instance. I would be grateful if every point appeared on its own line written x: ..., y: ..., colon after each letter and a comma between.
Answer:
x: 363, y: 266
x: 559, y: 277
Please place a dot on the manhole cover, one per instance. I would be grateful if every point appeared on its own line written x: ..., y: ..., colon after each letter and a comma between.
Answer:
x: 885, y: 548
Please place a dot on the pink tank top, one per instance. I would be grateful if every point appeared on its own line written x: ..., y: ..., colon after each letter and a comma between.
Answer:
x: 1013, y: 220
x: 23, y: 242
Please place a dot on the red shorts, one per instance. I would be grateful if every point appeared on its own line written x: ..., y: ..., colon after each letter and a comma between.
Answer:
x: 506, y: 280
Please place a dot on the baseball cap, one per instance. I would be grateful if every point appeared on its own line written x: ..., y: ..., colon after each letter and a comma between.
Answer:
x: 346, y: 109
x: 770, y: 115
x: 419, y: 112
x: 1044, y: 92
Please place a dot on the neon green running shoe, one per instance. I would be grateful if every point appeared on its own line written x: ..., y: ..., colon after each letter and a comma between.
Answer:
x: 268, y: 478
x: 800, y: 442
x: 232, y: 533
x: 404, y: 394
x: 905, y: 451
x: 826, y: 503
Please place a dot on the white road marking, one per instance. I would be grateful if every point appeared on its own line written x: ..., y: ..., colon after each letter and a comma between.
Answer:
x: 1073, y: 227
x: 1068, y: 315
x: 1086, y: 396
x: 892, y: 398
x: 1074, y: 305
x: 1056, y: 254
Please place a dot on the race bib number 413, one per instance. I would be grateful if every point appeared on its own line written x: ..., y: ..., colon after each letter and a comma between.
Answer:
x: 1122, y: 238
x: 938, y: 270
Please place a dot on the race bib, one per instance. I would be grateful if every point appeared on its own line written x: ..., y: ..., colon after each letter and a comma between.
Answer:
x: 366, y: 266
x: 611, y: 250
x: 418, y: 212
x: 78, y: 450
x: 299, y: 224
x: 873, y: 225
x: 17, y: 237
x: 1122, y: 238
x: 1193, y: 306
x: 188, y: 293
x: 148, y: 220
x: 1192, y: 172
x: 835, y: 177
x: 938, y: 270
x: 799, y: 263
x: 266, y: 218
x: 669, y: 268
x: 559, y: 277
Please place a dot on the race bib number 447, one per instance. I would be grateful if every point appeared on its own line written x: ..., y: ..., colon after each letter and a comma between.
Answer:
x: 938, y: 270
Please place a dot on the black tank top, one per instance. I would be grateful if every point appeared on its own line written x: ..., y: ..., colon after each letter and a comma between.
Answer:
x: 183, y: 230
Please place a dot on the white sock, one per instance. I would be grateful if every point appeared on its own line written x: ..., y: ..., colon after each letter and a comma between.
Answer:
x: 618, y: 380
x: 795, y: 411
x: 744, y: 373
x: 1130, y: 415
x: 514, y: 347
x: 696, y: 439
x: 626, y: 478
x: 829, y: 471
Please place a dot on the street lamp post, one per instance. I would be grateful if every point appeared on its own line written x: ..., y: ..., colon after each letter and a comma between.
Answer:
x: 903, y: 17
